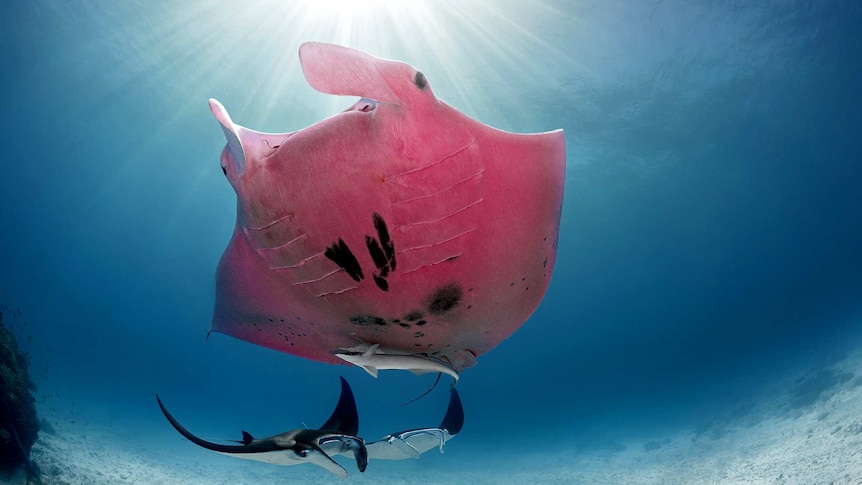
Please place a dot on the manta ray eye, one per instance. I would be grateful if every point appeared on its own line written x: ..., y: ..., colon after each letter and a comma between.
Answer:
x: 365, y: 105
x: 224, y: 171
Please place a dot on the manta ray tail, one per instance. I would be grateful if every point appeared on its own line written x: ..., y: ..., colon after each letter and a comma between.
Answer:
x: 251, y: 448
x: 439, y: 374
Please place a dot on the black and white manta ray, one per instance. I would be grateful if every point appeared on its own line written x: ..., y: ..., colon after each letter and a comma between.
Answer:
x: 413, y: 442
x: 336, y: 436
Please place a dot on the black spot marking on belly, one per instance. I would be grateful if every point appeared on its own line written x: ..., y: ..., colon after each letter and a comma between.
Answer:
x: 382, y: 252
x: 404, y: 325
x: 444, y: 299
x: 381, y: 282
x: 413, y: 316
x: 376, y: 253
x: 418, y: 335
x: 341, y: 255
x: 365, y: 320
x: 385, y: 240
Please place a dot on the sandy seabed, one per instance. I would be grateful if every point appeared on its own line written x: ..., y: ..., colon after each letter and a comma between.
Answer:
x: 807, y: 431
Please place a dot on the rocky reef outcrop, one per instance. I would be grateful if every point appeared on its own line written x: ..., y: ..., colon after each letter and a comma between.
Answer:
x: 18, y: 422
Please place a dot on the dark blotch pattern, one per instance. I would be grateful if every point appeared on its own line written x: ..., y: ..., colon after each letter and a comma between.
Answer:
x: 365, y: 320
x: 382, y: 252
x: 444, y: 299
x: 385, y: 240
x: 381, y: 282
x: 376, y: 253
x: 413, y: 316
x: 341, y: 255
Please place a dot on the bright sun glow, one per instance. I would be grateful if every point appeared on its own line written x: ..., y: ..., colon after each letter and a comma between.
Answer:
x: 486, y: 58
x: 326, y: 6
x: 246, y: 52
x: 475, y: 41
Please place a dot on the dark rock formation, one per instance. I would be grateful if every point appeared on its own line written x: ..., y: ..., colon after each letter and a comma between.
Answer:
x: 18, y: 422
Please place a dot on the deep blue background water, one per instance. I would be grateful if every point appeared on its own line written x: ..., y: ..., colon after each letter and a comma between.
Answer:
x: 711, y: 230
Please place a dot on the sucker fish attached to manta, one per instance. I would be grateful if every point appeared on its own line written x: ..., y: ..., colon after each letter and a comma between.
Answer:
x: 373, y: 359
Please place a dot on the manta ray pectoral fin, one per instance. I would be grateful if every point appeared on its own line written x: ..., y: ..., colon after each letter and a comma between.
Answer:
x: 414, y: 442
x: 407, y: 444
x: 319, y: 457
x: 343, y: 444
x: 404, y: 447
x: 439, y: 435
x: 344, y: 418
x: 453, y: 421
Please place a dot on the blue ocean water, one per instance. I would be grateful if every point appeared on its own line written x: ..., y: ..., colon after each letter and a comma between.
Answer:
x: 711, y: 233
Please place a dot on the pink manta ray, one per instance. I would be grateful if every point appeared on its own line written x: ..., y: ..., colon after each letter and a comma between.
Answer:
x: 399, y: 234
